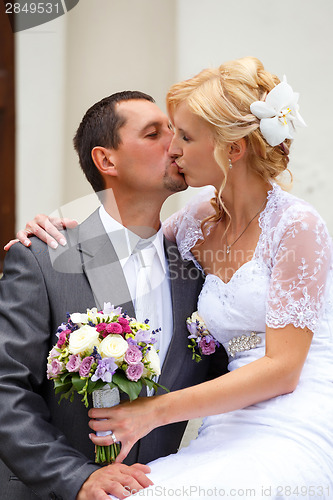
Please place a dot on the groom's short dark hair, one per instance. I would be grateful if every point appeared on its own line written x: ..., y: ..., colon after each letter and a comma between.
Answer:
x: 100, y: 127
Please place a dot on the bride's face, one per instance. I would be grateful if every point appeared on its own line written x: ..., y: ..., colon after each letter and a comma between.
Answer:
x: 193, y: 144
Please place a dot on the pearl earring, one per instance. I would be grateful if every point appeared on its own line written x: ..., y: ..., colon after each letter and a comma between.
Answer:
x: 230, y: 164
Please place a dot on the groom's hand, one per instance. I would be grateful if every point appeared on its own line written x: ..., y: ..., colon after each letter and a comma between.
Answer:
x: 116, y: 479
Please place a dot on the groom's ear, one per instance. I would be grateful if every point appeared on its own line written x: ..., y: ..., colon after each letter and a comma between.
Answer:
x: 103, y: 159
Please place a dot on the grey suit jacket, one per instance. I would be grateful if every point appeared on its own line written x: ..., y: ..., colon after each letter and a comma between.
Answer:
x: 44, y: 446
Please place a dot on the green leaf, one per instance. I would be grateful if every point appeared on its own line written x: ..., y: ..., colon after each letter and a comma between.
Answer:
x: 68, y: 394
x: 62, y: 378
x: 162, y: 387
x: 78, y: 382
x: 151, y: 384
x: 62, y: 388
x: 94, y: 386
x: 132, y: 389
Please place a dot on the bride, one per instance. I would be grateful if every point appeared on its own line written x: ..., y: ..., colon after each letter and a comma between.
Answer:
x: 267, y: 298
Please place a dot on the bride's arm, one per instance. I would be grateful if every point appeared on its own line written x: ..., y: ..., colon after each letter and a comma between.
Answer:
x: 275, y: 374
x: 46, y: 229
x: 288, y: 338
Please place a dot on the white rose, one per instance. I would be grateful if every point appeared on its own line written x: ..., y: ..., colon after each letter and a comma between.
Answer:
x: 153, y: 358
x: 82, y: 340
x: 195, y: 317
x: 79, y: 318
x: 113, y: 346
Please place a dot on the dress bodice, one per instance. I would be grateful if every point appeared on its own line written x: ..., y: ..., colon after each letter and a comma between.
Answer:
x: 226, y: 308
x: 288, y: 280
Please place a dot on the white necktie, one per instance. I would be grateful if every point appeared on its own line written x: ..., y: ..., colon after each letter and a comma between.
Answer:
x: 144, y: 296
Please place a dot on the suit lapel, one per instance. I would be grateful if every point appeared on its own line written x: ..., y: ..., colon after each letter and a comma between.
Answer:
x: 182, y: 290
x: 101, y: 266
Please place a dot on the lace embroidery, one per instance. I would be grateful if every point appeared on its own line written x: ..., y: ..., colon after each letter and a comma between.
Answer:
x: 299, y: 299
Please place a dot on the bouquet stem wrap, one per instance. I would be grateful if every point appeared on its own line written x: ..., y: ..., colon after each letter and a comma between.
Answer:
x: 106, y: 398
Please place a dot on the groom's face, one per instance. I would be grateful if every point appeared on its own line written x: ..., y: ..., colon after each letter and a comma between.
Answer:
x: 142, y: 158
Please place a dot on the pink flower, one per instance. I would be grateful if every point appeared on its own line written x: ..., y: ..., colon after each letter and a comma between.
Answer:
x: 54, y: 353
x: 133, y: 355
x: 123, y: 321
x: 134, y: 372
x: 125, y: 325
x: 101, y: 327
x: 54, y: 368
x: 62, y: 338
x: 207, y: 345
x: 74, y: 363
x: 114, y: 328
x: 86, y: 366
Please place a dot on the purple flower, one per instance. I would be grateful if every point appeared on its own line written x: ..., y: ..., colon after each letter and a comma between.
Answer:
x: 130, y: 341
x: 105, y: 369
x: 86, y: 366
x: 114, y: 328
x: 54, y: 369
x: 133, y: 355
x: 110, y: 309
x: 74, y: 363
x: 207, y: 345
x: 192, y: 328
x: 61, y: 328
x: 143, y: 336
x: 134, y: 372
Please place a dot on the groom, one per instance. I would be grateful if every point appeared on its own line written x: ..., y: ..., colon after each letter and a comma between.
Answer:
x: 122, y: 143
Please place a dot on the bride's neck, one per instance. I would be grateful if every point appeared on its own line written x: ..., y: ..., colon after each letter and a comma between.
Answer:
x: 244, y: 198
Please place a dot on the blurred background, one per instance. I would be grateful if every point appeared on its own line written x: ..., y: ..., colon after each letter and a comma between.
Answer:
x: 51, y: 74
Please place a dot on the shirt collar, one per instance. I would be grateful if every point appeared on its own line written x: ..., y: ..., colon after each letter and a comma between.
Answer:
x: 124, y: 240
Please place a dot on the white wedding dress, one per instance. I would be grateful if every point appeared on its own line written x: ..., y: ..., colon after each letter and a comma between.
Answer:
x: 281, y: 448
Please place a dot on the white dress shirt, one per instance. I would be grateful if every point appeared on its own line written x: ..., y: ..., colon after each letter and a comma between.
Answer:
x: 124, y: 242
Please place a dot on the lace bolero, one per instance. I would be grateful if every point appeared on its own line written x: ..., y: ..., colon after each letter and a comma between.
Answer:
x: 184, y: 226
x: 294, y: 247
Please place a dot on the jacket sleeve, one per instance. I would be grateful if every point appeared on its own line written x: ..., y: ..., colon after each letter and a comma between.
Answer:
x: 218, y: 363
x: 31, y: 446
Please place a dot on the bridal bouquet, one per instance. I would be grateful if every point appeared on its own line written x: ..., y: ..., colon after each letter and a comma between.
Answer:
x: 201, y: 341
x: 102, y: 350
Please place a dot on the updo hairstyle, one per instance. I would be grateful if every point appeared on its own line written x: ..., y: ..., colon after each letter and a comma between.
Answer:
x: 222, y: 97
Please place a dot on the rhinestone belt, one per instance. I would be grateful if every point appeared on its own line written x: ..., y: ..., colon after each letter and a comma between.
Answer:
x: 243, y: 343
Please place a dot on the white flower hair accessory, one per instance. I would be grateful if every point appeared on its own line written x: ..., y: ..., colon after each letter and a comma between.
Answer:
x: 278, y: 114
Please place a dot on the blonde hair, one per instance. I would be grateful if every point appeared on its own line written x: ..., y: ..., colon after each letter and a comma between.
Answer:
x: 222, y: 97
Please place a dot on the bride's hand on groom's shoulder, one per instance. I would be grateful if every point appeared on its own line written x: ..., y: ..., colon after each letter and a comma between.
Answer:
x: 116, y: 479
x: 46, y: 229
x: 128, y: 421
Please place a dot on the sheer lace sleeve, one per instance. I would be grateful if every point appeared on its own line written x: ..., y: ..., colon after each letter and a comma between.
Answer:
x: 184, y: 226
x: 300, y: 270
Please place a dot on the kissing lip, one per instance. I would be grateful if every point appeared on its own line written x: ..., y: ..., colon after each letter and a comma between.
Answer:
x: 180, y: 168
x: 175, y: 164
